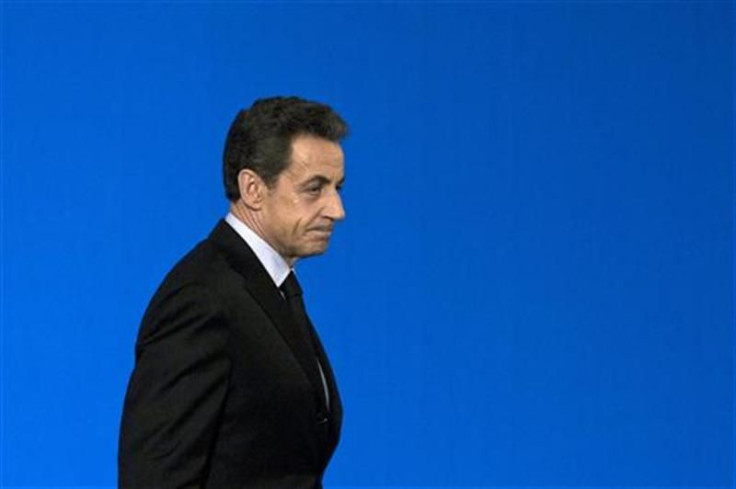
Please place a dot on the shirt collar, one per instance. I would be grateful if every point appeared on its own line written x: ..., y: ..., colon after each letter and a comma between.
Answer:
x: 274, y: 263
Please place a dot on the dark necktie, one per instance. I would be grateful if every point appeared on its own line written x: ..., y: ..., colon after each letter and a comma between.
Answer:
x: 293, y: 294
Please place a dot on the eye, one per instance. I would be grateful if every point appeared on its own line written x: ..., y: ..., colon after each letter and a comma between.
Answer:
x: 314, y: 190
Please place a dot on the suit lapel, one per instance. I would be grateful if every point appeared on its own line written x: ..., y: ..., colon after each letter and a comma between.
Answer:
x: 264, y: 291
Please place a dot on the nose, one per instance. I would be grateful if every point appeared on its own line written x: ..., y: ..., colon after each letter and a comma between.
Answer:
x: 334, y: 209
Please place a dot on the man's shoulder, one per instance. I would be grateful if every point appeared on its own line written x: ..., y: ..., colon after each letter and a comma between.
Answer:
x: 205, y: 266
x: 203, y: 282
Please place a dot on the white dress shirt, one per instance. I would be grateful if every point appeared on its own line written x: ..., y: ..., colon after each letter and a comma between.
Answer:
x: 274, y: 263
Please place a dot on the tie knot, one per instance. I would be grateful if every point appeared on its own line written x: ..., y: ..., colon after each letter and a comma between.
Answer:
x: 291, y: 287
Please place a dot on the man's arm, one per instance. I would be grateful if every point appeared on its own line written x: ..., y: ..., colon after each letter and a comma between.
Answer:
x: 176, y: 392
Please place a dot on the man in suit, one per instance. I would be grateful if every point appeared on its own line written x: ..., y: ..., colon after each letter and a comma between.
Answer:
x: 231, y: 386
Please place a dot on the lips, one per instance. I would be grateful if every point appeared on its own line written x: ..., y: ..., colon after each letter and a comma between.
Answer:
x: 322, y: 234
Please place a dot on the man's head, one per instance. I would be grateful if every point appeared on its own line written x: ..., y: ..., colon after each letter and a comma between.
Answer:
x: 283, y: 169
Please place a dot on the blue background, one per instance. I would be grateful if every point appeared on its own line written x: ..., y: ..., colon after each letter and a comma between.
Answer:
x: 533, y: 285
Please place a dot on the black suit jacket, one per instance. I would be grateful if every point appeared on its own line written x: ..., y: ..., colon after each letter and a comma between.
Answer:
x: 226, y: 392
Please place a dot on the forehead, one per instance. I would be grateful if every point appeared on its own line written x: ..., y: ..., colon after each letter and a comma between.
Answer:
x: 312, y: 155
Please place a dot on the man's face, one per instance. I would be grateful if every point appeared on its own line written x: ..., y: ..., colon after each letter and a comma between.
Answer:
x: 301, y: 208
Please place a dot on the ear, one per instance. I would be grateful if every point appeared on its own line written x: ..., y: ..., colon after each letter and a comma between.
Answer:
x: 252, y: 188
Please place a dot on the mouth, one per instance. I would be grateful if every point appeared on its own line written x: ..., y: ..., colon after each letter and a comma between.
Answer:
x: 322, y: 230
x: 322, y: 233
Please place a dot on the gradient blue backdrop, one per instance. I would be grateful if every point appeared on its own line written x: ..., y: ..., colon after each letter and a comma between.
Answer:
x: 534, y: 282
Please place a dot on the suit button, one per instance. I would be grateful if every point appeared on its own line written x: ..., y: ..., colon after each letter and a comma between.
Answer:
x: 321, y: 418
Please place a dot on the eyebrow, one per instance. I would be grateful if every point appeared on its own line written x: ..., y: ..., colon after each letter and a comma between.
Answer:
x: 322, y: 180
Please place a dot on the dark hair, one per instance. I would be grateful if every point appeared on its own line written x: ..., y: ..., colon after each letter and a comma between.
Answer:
x: 260, y: 137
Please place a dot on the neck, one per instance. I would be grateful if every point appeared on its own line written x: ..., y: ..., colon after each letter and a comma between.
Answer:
x: 252, y: 219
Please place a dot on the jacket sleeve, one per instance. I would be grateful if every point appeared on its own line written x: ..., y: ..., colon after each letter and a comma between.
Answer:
x: 176, y: 392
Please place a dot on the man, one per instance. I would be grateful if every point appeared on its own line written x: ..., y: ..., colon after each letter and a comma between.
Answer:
x: 231, y: 386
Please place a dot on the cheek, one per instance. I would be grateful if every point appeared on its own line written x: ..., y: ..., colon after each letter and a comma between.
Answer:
x: 298, y: 224
x: 287, y: 214
x: 301, y: 218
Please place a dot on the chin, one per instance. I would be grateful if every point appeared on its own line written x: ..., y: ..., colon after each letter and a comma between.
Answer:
x: 313, y: 245
x: 320, y: 250
x: 315, y: 250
